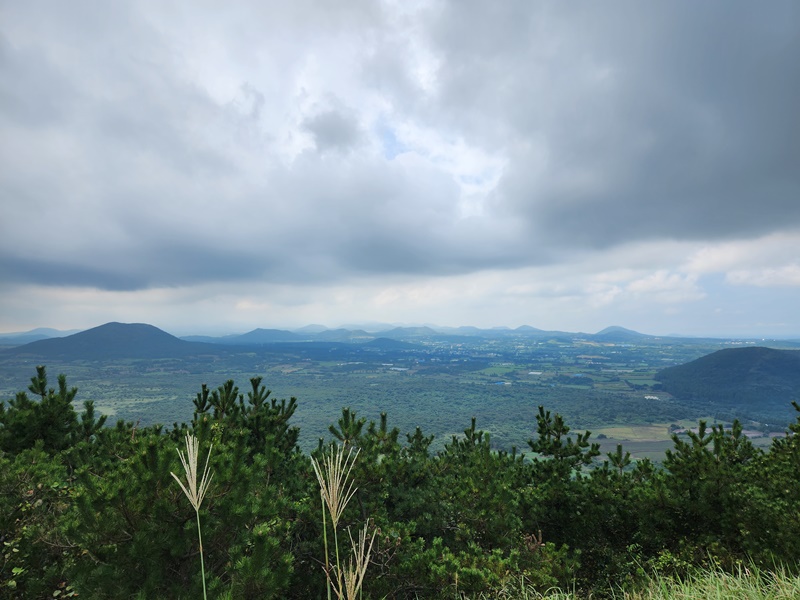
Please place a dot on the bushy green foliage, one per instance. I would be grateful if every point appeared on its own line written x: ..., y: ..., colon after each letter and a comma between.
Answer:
x: 94, y: 510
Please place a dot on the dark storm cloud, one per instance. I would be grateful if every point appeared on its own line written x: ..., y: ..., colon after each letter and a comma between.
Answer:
x: 669, y: 120
x: 166, y: 265
x: 129, y: 164
x: 53, y: 272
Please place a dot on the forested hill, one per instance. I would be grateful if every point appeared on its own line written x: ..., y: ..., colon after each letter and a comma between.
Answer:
x: 762, y: 380
x: 115, y: 340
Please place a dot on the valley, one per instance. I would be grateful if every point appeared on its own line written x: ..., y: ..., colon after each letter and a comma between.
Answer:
x: 437, y: 381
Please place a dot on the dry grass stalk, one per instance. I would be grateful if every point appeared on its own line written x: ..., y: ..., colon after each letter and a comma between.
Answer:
x: 333, y: 475
x: 357, y: 566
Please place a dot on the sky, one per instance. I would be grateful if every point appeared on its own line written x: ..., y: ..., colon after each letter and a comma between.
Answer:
x: 212, y: 168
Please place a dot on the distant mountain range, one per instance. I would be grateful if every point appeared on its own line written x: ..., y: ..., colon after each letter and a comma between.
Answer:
x: 743, y: 380
x: 359, y: 335
x: 139, y: 339
x: 747, y: 380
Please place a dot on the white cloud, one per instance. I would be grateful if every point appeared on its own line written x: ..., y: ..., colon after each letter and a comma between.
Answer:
x: 666, y: 287
x: 768, y: 261
x: 788, y: 275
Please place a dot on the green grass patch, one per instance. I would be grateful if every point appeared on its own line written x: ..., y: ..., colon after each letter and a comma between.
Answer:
x: 498, y: 370
x: 642, y: 381
x: 636, y: 433
x: 749, y: 583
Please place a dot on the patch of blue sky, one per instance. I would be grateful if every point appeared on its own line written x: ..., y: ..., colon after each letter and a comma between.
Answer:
x: 477, y: 179
x: 391, y: 145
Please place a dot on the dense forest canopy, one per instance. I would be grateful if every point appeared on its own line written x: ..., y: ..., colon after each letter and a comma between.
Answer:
x: 94, y: 510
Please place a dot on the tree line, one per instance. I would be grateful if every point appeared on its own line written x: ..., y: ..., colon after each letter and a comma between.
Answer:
x: 93, y: 510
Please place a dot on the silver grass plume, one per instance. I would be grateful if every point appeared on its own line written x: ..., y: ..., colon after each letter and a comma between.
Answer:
x: 194, y: 492
x: 333, y: 475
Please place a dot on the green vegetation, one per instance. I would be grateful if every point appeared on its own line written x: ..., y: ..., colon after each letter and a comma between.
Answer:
x: 138, y: 373
x: 744, y: 583
x: 94, y: 511
x: 710, y: 584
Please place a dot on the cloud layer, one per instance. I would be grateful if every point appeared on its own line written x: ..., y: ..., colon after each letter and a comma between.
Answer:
x: 608, y: 158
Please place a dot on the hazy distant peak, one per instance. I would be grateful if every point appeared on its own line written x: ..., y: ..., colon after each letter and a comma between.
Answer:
x: 127, y: 329
x: 112, y: 340
x: 617, y: 329
x: 264, y: 336
x: 404, y: 332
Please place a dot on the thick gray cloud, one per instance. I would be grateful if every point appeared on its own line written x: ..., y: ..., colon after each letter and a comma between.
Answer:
x: 672, y: 120
x: 149, y: 146
x: 333, y: 130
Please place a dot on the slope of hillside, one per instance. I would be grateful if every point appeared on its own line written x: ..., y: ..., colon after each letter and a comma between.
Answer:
x: 752, y: 381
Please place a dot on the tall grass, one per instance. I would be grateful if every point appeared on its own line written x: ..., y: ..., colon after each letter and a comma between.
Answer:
x: 336, y: 489
x: 748, y: 583
x: 353, y: 574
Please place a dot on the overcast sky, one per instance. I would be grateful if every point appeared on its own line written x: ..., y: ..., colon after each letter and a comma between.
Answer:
x: 566, y: 165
